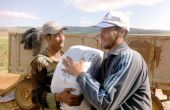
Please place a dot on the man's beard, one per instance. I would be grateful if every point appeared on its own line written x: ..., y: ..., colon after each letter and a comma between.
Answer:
x: 108, y: 46
x: 112, y: 43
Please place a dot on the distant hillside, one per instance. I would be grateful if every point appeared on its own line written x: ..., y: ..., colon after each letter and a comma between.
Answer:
x: 86, y: 30
x: 81, y: 30
x: 91, y: 30
x: 146, y: 31
x: 13, y: 29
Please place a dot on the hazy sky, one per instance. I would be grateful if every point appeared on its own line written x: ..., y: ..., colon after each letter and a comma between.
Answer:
x: 147, y: 14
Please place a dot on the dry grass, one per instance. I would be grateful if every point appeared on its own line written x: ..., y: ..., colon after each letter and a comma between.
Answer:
x: 3, y: 53
x: 3, y: 34
x: 12, y: 105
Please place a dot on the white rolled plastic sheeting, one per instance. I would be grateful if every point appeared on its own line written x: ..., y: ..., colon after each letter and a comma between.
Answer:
x: 62, y: 80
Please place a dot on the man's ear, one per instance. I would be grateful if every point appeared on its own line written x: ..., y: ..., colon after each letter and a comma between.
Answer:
x: 122, y: 32
x: 47, y: 36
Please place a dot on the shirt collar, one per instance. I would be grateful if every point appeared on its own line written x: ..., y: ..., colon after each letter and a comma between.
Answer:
x: 45, y: 52
x: 117, y: 49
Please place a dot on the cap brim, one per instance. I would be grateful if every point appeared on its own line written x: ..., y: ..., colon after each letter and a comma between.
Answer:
x: 104, y: 25
x: 57, y: 31
x: 64, y: 28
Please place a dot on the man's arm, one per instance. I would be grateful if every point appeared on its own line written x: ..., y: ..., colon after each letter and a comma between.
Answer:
x: 116, y: 86
x: 42, y: 95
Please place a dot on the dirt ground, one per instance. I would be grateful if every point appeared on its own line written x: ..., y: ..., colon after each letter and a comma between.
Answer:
x: 12, y: 105
x: 6, y: 80
x: 161, y: 96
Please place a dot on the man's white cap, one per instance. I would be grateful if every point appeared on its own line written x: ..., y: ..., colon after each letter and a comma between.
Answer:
x: 114, y: 19
x: 52, y: 27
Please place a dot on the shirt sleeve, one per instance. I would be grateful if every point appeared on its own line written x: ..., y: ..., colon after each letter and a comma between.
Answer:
x: 41, y: 93
x: 123, y: 73
x: 38, y: 72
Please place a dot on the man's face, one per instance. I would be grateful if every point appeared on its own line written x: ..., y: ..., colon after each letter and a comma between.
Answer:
x: 56, y: 40
x: 108, y: 37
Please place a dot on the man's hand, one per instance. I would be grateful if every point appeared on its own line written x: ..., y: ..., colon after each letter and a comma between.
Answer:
x: 69, y: 99
x: 72, y: 67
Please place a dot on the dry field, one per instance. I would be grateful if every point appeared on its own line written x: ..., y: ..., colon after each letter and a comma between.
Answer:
x: 3, y: 51
x: 6, y: 80
x: 3, y: 34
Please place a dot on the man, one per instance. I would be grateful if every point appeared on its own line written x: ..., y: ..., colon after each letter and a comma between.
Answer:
x: 122, y: 82
x: 43, y: 66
